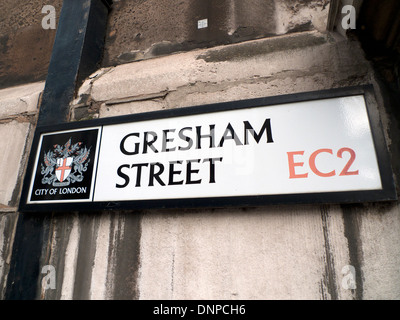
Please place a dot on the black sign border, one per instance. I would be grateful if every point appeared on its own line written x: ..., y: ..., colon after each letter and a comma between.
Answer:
x: 387, y: 193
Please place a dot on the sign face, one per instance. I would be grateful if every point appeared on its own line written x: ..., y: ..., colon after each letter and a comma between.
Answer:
x: 243, y: 153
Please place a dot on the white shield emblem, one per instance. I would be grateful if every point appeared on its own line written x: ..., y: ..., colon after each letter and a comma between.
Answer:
x: 63, y: 168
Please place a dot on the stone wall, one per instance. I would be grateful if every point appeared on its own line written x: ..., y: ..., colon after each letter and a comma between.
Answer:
x: 144, y: 29
x: 18, y: 111
x: 269, y: 252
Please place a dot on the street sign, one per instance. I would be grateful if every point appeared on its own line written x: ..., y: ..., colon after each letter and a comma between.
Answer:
x: 305, y: 148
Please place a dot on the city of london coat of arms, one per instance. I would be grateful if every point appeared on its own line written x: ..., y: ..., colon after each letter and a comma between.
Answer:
x: 65, y: 164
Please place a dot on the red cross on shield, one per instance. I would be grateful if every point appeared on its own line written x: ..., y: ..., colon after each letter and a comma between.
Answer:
x: 63, y: 168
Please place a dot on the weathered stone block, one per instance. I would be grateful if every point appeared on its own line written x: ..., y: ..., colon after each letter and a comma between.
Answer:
x: 12, y: 143
x: 20, y: 99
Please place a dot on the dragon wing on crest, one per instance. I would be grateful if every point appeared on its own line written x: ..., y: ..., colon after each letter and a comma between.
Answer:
x: 50, y: 161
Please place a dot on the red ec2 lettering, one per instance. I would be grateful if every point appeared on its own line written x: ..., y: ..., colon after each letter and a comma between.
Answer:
x: 296, y: 164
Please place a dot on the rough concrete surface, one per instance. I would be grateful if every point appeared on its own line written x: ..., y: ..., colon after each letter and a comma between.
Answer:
x: 20, y: 99
x: 25, y: 47
x: 381, y: 252
x: 8, y: 220
x: 12, y: 147
x: 265, y: 253
x: 140, y: 29
x: 296, y: 62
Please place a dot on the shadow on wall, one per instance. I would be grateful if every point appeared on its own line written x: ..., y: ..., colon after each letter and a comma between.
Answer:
x: 139, y: 29
x: 379, y: 33
x: 25, y: 46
